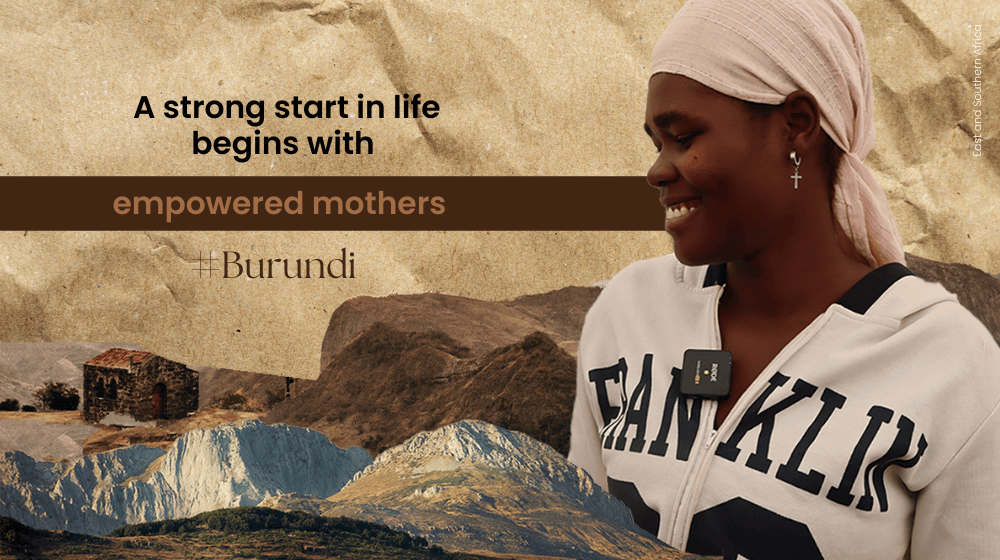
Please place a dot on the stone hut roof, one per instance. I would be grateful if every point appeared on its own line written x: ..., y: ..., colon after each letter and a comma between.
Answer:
x: 119, y: 358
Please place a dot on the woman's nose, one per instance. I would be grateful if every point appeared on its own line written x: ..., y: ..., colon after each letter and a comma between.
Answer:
x: 662, y: 171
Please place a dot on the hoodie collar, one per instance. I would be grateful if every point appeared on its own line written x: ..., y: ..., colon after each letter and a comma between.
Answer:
x: 858, y: 299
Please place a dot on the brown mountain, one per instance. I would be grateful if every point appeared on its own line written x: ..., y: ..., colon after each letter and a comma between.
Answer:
x: 479, y: 325
x: 260, y: 390
x: 976, y: 290
x: 388, y: 384
x: 402, y: 364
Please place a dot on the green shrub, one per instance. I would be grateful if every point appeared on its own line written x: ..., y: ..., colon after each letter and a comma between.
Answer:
x: 273, y: 398
x: 243, y: 521
x: 58, y: 396
x: 10, y: 405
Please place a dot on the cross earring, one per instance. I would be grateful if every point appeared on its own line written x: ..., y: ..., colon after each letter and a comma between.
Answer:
x: 797, y: 161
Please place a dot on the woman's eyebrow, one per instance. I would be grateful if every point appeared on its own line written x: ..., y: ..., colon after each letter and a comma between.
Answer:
x: 663, y: 120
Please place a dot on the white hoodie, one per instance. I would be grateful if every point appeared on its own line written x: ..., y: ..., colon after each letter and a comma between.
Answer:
x: 874, y: 434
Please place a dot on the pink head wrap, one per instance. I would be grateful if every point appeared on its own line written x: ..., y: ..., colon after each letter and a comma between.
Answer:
x: 762, y: 50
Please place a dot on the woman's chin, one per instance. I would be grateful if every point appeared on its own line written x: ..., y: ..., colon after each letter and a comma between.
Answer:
x: 690, y: 256
x: 687, y: 259
x: 688, y: 262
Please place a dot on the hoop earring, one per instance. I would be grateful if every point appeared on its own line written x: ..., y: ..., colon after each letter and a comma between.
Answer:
x: 797, y: 161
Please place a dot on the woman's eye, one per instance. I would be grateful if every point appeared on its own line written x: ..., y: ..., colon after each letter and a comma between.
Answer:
x: 685, y: 140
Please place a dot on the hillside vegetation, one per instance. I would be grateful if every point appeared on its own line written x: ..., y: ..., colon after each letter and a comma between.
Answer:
x: 243, y: 532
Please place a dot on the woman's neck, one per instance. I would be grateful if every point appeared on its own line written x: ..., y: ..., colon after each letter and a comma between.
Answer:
x: 801, y: 276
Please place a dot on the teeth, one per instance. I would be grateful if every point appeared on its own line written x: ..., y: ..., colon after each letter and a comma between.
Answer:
x: 677, y: 212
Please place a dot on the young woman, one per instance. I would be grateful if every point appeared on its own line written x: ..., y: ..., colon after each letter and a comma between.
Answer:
x: 782, y: 386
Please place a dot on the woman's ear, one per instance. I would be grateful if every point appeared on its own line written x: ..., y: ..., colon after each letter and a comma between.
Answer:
x: 801, y: 113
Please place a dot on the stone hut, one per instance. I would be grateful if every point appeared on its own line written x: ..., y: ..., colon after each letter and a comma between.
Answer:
x: 138, y: 384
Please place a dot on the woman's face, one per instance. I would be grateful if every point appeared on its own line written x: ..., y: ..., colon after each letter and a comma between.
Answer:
x: 724, y: 174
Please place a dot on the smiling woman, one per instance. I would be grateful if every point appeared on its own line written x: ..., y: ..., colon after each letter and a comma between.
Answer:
x: 840, y: 420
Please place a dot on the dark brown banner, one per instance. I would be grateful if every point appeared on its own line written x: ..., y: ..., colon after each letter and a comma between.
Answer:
x: 330, y: 204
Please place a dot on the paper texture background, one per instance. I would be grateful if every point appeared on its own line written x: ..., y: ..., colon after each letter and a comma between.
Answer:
x: 525, y: 88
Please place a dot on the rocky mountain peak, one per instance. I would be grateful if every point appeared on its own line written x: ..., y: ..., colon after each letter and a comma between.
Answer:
x: 228, y: 466
x: 473, y: 445
x: 469, y: 442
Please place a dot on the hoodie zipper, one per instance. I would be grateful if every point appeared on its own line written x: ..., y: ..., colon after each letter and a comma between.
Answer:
x: 695, y: 476
x: 681, y: 517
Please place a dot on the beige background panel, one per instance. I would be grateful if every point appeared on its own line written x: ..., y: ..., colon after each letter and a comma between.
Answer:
x: 946, y: 200
x: 525, y: 88
x: 145, y: 288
